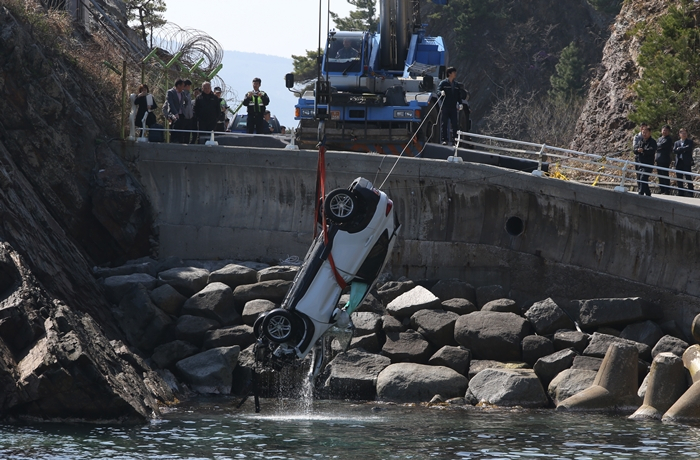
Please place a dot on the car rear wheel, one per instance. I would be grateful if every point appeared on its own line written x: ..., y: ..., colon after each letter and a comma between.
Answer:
x: 278, y: 325
x: 341, y: 206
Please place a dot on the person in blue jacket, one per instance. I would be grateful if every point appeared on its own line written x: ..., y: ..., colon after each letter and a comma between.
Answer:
x: 452, y: 93
x: 683, y: 148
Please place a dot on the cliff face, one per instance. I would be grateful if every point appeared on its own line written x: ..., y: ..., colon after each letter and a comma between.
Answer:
x: 603, y: 126
x: 66, y: 200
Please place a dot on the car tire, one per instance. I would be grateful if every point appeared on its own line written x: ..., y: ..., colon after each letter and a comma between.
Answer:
x: 257, y: 325
x: 278, y: 325
x: 341, y: 206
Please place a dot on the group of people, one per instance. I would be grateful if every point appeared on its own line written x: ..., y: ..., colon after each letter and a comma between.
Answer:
x: 201, y: 109
x: 664, y: 151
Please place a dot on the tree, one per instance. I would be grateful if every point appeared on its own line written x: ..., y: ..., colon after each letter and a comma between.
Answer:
x: 148, y: 15
x: 305, y: 67
x: 567, y: 82
x: 363, y: 18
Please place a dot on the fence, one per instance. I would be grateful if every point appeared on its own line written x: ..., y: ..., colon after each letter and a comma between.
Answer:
x: 597, y: 170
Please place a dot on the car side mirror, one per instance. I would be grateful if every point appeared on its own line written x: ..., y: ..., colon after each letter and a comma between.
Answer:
x: 289, y: 80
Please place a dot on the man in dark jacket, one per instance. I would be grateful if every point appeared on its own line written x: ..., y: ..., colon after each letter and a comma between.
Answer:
x: 175, y: 111
x: 683, y: 148
x: 644, y: 149
x: 452, y: 93
x: 206, y: 109
x: 256, y: 101
x: 664, y: 147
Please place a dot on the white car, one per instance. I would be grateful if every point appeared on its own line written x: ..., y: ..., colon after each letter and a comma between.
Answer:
x: 362, y: 230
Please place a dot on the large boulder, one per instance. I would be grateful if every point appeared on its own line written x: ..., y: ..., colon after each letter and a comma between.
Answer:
x: 278, y: 272
x: 456, y: 358
x: 547, y: 317
x: 647, y: 332
x: 548, y: 367
x: 353, y: 375
x: 408, y: 303
x: 210, y: 371
x: 193, y: 328
x: 569, y: 382
x: 459, y: 306
x: 536, y: 347
x: 166, y: 355
x: 187, y: 280
x: 492, y: 335
x: 508, y: 387
x: 143, y: 323
x: 116, y: 287
x: 242, y: 336
x: 454, y: 289
x: 392, y: 289
x: 408, y: 382
x: 371, y: 343
x: 409, y: 346
x: 253, y: 309
x: 366, y: 322
x: 168, y: 299
x: 273, y: 290
x: 502, y: 305
x: 588, y: 363
x: 215, y: 301
x: 437, y: 326
x: 571, y: 339
x: 601, y: 342
x: 392, y: 324
x: 234, y: 275
x: 594, y: 313
x: 670, y: 344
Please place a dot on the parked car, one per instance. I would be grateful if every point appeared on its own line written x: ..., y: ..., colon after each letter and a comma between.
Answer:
x: 240, y: 124
x: 361, y: 232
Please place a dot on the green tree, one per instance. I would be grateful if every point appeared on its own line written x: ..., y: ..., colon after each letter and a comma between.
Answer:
x: 147, y: 14
x: 607, y: 6
x: 567, y: 81
x: 363, y: 18
x: 670, y: 79
x: 305, y: 67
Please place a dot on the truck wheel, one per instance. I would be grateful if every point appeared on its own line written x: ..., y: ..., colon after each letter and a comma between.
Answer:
x: 278, y: 325
x: 340, y: 206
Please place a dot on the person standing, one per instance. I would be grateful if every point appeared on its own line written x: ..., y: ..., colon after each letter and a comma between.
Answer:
x: 145, y: 103
x: 452, y: 93
x: 176, y: 115
x: 644, y: 149
x: 664, y: 148
x: 683, y: 148
x: 256, y: 101
x: 188, y: 111
x: 206, y: 109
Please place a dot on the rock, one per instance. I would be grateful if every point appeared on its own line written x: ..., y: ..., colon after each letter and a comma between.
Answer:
x: 456, y: 358
x: 391, y: 324
x: 435, y: 325
x: 454, y: 289
x: 215, y: 301
x: 353, y: 375
x: 695, y: 328
x: 536, y: 347
x: 478, y: 365
x: 502, y: 305
x: 601, y: 342
x: 253, y: 309
x: 418, y: 298
x: 669, y: 344
x: 608, y: 331
x: 392, y: 289
x: 508, y: 387
x: 278, y: 272
x: 370, y: 304
x: 647, y: 332
x: 168, y: 263
x: 407, y: 346
x: 546, y: 317
x: 459, y: 306
x: 370, y: 343
x: 193, y: 328
x: 16, y: 328
x: 587, y: 363
x: 143, y: 323
x: 166, y: 355
x: 570, y: 382
x: 210, y: 371
x: 242, y: 336
x: 571, y: 339
x: 168, y: 299
x: 366, y: 322
x: 548, y: 367
x: 615, y: 311
x: 257, y: 266
x: 485, y: 294
x: 234, y: 275
x: 492, y: 335
x: 665, y: 385
x: 128, y: 269
x: 408, y: 382
x: 186, y: 280
x: 273, y: 290
x: 671, y: 328
x: 116, y: 287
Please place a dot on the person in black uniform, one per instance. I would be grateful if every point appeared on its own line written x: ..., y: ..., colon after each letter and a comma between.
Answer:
x: 206, y: 109
x: 644, y: 149
x: 683, y: 148
x: 256, y: 101
x: 453, y: 93
x: 664, y: 147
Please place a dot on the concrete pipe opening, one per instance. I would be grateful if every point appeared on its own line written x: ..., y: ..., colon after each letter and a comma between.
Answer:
x: 515, y: 226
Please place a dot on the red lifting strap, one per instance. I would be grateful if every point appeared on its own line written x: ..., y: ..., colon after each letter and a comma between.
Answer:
x: 338, y: 279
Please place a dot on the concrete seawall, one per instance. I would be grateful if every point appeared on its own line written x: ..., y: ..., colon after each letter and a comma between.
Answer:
x: 537, y: 237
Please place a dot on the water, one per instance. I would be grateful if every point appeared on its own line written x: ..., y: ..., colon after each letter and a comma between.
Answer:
x: 285, y: 429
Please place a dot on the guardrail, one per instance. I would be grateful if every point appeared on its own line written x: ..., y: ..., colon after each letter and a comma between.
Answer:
x: 597, y: 170
x: 141, y: 135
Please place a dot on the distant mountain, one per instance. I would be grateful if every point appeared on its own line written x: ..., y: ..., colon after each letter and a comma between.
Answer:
x: 239, y: 70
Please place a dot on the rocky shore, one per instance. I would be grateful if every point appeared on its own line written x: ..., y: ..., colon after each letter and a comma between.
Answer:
x: 439, y: 341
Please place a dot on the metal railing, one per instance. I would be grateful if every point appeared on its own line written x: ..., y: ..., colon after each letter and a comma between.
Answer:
x: 598, y: 170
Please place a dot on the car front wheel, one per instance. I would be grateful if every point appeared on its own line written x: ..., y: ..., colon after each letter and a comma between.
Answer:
x: 340, y: 206
x: 278, y: 325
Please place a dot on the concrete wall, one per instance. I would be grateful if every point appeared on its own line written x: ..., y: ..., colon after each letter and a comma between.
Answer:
x: 577, y: 241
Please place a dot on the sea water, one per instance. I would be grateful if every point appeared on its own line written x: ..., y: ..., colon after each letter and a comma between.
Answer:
x: 214, y: 428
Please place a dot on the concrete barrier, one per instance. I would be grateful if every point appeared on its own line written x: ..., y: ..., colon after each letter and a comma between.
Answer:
x: 667, y: 383
x: 538, y: 237
x: 687, y: 408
